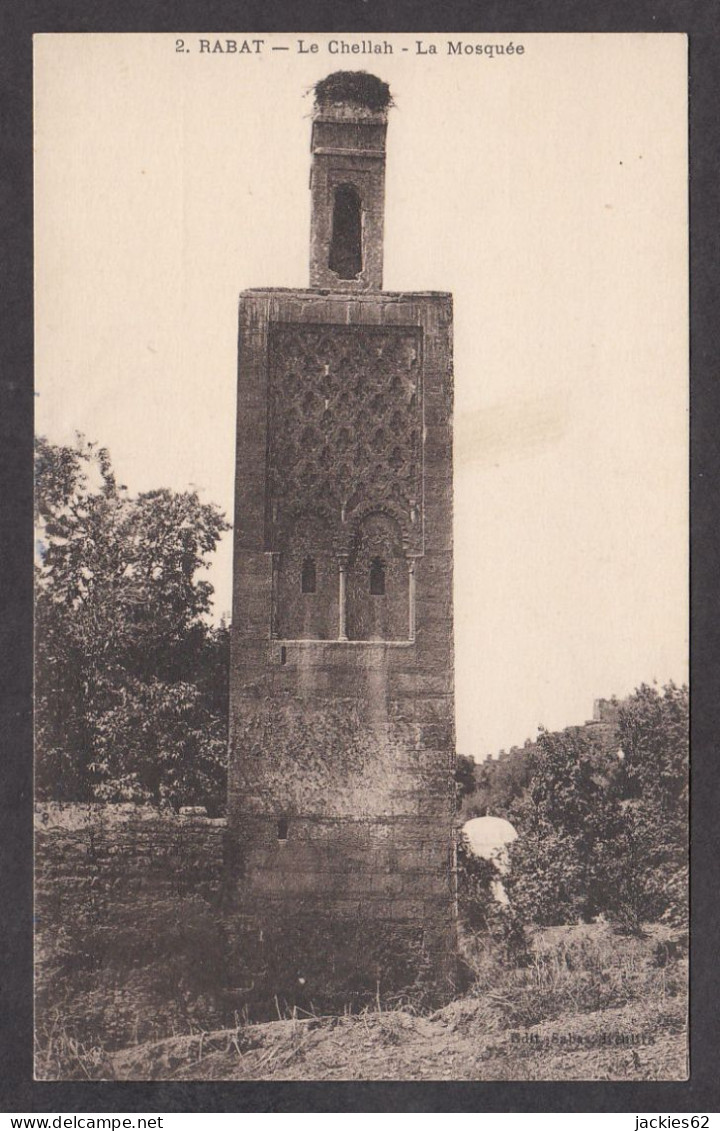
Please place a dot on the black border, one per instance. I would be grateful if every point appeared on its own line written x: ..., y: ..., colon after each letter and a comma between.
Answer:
x: 19, y: 19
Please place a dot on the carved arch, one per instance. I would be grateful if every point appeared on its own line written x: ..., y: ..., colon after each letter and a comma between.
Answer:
x: 303, y: 612
x: 378, y: 612
x: 389, y: 510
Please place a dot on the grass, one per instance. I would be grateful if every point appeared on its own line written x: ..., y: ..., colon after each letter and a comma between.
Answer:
x: 570, y: 970
x: 61, y: 1056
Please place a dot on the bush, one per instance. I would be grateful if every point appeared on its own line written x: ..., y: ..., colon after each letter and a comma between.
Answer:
x: 475, y: 879
x: 570, y: 970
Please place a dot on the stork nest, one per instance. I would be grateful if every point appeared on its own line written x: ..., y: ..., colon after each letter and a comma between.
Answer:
x: 356, y: 88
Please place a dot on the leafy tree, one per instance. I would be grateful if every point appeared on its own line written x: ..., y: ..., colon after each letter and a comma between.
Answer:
x: 464, y: 777
x: 602, y: 834
x: 652, y: 778
x: 501, y: 782
x: 567, y: 861
x: 127, y: 704
x: 158, y: 742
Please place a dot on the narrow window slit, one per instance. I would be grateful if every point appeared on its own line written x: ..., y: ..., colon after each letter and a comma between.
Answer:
x: 308, y: 581
x: 283, y: 655
x: 377, y: 577
x: 346, y: 242
x: 282, y: 828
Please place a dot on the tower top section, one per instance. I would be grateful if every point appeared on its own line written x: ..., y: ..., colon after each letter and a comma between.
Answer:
x: 347, y: 181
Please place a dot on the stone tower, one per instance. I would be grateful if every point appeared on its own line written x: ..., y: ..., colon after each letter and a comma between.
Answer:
x: 341, y: 799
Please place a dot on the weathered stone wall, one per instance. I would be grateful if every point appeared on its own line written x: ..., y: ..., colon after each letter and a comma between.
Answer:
x: 341, y: 798
x: 93, y: 860
x: 128, y: 923
x: 125, y: 848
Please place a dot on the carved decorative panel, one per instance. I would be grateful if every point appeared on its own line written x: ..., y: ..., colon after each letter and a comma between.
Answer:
x: 344, y: 427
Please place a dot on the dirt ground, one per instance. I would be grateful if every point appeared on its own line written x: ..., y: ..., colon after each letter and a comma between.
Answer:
x: 464, y: 1041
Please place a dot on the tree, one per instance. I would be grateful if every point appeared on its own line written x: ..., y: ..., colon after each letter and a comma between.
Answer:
x: 598, y: 833
x: 652, y: 779
x: 567, y: 861
x: 158, y: 742
x: 501, y: 782
x: 124, y: 703
x: 464, y: 777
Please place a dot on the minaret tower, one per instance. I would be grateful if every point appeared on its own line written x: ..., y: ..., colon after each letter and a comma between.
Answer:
x: 347, y: 183
x: 341, y: 797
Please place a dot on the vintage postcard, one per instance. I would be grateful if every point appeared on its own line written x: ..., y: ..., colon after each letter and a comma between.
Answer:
x: 361, y: 557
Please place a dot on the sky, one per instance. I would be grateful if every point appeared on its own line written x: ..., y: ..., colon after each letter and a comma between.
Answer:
x: 547, y: 190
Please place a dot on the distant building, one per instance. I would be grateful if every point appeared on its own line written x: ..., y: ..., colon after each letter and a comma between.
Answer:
x: 602, y: 729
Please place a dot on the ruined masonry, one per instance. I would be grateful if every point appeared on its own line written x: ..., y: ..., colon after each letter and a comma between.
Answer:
x: 341, y: 800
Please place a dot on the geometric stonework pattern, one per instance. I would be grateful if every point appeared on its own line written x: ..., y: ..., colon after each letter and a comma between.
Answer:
x: 345, y: 421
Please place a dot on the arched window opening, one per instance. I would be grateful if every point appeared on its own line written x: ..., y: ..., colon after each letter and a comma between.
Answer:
x: 377, y: 581
x: 346, y: 242
x: 282, y: 828
x: 377, y: 577
x: 308, y: 580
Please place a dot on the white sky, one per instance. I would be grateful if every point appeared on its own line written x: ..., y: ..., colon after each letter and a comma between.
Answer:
x: 547, y: 191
